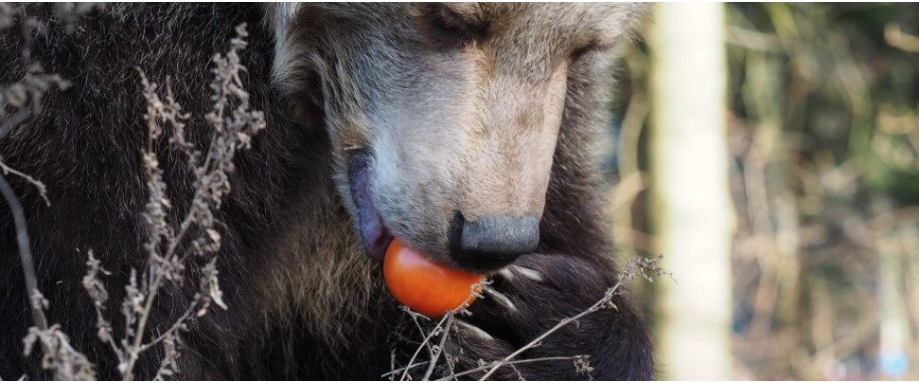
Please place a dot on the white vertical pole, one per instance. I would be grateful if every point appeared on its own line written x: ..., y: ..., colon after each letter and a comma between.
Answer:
x: 692, y: 207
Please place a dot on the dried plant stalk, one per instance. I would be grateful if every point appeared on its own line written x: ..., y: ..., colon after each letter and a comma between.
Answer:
x: 234, y: 124
x: 637, y: 267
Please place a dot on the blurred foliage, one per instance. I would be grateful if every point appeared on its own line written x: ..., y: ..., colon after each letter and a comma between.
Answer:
x: 848, y: 81
x: 824, y: 134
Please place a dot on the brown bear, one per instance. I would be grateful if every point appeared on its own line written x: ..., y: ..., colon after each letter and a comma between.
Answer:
x: 465, y: 130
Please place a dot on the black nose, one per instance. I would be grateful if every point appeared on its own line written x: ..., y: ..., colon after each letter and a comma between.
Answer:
x: 491, y: 242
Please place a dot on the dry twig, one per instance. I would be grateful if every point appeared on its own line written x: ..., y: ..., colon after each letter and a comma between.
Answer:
x: 638, y: 267
x: 234, y: 125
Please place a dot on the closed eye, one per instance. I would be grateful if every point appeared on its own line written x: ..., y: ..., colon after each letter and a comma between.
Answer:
x: 581, y: 52
x: 446, y: 27
x: 586, y: 49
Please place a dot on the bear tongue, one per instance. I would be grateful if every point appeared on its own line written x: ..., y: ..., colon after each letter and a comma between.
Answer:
x: 373, y: 233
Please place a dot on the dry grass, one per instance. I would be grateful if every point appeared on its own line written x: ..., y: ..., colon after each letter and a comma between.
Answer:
x: 234, y: 124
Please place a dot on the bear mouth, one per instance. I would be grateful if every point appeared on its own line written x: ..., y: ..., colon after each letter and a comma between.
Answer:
x: 374, y: 235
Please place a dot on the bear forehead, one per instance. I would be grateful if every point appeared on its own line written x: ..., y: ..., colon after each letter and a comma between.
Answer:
x: 588, y: 23
x: 600, y: 24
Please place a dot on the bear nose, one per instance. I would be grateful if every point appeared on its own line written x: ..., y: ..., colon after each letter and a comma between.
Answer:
x: 492, y: 242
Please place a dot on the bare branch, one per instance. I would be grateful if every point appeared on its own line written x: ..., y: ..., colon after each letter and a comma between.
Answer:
x: 233, y: 130
x: 42, y: 190
x: 639, y: 266
x: 513, y: 363
x: 606, y: 301
x: 59, y: 356
x: 424, y: 342
x: 25, y: 251
x: 440, y: 347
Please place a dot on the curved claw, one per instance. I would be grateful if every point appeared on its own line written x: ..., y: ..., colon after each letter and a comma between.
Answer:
x: 511, y: 273
x: 528, y: 273
x: 467, y: 328
x: 502, y: 299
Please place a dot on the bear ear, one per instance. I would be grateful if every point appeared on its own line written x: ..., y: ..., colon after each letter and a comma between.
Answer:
x: 296, y: 20
x: 294, y: 27
x: 623, y: 21
x: 279, y: 16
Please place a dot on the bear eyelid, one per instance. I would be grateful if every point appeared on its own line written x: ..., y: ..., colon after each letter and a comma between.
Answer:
x: 590, y: 47
x: 448, y: 24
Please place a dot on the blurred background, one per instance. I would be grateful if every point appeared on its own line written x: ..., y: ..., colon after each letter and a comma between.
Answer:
x: 770, y: 153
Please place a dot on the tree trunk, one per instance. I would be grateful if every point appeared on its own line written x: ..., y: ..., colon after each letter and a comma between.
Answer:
x: 691, y: 204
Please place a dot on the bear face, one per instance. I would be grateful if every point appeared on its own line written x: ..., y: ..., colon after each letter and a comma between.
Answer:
x: 444, y: 118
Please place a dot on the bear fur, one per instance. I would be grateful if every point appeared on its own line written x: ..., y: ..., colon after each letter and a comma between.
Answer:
x: 304, y: 300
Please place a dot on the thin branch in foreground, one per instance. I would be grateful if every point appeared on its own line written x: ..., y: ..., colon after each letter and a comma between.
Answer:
x: 234, y: 124
x: 606, y: 301
x: 424, y: 334
x: 14, y: 121
x: 58, y: 355
x: 639, y: 266
x: 395, y: 370
x: 440, y: 347
x: 436, y: 351
x: 427, y: 339
x: 513, y: 363
x: 42, y: 190
x: 19, y: 101
x: 25, y: 251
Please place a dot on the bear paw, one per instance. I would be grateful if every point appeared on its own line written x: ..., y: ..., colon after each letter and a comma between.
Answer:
x: 522, y: 327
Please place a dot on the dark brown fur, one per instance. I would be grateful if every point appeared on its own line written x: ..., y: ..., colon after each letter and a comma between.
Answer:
x: 305, y: 302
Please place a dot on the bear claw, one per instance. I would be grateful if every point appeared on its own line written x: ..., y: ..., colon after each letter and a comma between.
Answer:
x: 528, y: 273
x: 500, y: 298
x: 467, y: 328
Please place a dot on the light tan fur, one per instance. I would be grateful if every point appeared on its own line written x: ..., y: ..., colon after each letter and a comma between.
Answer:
x: 319, y: 269
x: 472, y: 128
